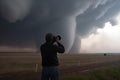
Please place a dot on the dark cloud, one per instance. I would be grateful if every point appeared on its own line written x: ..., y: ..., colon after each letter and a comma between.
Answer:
x: 15, y: 9
x: 25, y: 22
x: 97, y: 17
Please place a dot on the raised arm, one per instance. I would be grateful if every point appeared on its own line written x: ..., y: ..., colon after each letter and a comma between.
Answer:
x: 60, y: 48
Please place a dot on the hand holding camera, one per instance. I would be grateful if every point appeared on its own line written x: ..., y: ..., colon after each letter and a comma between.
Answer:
x: 56, y: 38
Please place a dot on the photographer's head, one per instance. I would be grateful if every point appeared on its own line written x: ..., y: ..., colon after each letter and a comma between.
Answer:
x: 49, y: 37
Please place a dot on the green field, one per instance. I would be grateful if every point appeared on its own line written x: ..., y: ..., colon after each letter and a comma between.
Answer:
x: 108, y: 73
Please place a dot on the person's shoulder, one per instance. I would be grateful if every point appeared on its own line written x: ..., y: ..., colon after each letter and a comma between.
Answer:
x: 54, y: 45
x: 42, y: 45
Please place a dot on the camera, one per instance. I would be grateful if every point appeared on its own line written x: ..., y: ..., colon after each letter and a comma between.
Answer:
x: 54, y: 38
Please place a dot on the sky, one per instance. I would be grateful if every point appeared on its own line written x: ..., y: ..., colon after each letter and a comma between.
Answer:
x: 105, y: 40
x: 84, y: 25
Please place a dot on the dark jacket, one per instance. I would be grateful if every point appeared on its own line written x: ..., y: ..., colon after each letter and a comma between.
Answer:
x: 49, y: 54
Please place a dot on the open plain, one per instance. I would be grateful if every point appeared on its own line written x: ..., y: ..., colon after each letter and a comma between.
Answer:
x: 27, y: 66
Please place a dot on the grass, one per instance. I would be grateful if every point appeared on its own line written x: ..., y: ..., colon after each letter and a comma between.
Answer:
x: 13, y: 62
x: 10, y: 63
x: 109, y: 73
x: 16, y: 67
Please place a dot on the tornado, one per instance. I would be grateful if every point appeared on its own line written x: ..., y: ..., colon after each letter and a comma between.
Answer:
x: 69, y: 18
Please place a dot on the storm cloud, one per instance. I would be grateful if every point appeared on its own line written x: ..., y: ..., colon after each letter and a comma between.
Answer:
x: 24, y: 23
x: 93, y: 18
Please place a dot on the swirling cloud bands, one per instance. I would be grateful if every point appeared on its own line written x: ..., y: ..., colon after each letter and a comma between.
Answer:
x: 25, y: 22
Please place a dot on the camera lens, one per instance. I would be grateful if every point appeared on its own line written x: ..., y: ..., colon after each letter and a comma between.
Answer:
x: 59, y: 37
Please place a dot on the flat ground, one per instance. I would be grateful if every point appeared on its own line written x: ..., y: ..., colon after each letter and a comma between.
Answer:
x: 22, y: 66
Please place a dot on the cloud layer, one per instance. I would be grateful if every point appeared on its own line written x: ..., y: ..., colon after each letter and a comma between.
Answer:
x: 105, y: 41
x: 14, y: 10
x: 29, y: 20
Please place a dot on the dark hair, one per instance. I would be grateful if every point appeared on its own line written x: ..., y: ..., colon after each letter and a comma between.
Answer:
x: 49, y: 37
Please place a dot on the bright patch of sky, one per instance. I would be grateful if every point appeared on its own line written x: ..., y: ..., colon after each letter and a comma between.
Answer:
x: 106, y: 39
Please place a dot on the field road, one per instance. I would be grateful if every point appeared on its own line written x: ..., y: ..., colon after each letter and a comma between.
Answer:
x: 63, y: 72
